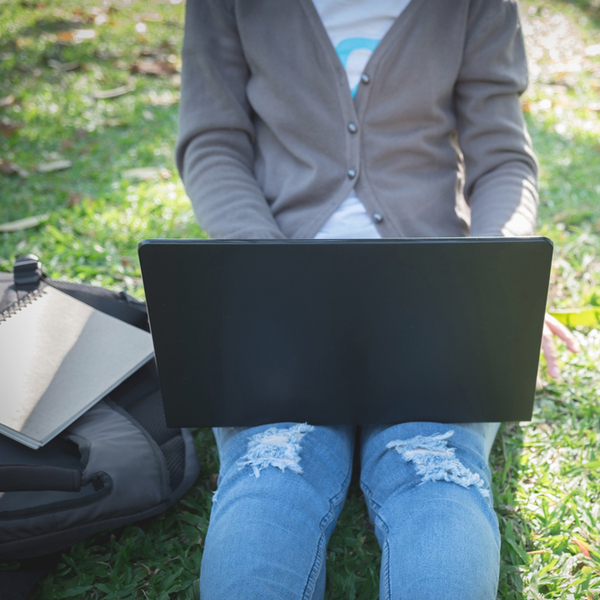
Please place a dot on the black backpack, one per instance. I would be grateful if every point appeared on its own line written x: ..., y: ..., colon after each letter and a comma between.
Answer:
x: 117, y: 464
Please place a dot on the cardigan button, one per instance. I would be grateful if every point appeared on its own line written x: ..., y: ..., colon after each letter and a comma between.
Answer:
x: 365, y: 78
x: 351, y: 173
x: 377, y: 217
x: 352, y: 128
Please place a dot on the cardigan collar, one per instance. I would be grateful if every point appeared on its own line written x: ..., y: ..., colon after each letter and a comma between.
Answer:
x: 396, y: 30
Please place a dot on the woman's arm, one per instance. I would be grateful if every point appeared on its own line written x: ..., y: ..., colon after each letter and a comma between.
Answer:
x: 501, y: 169
x: 215, y: 146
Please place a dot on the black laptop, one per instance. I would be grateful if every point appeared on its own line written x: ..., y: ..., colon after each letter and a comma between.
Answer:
x: 346, y: 331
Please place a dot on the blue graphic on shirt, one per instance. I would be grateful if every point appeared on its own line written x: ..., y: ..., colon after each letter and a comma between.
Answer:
x: 345, y: 48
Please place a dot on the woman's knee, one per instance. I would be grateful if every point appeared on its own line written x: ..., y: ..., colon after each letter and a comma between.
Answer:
x: 446, y: 547
x: 281, y: 488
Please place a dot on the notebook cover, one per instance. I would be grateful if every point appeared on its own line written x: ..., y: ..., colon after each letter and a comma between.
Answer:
x: 58, y: 357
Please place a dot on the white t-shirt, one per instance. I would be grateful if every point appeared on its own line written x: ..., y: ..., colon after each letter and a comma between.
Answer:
x: 355, y: 27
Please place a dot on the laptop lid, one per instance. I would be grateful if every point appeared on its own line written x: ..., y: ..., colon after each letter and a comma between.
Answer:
x: 346, y: 331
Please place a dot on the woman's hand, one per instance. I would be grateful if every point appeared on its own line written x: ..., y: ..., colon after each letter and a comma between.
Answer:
x: 553, y: 327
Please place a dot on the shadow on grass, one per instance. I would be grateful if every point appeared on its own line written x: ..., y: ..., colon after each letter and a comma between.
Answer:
x: 353, y: 553
x: 49, y: 26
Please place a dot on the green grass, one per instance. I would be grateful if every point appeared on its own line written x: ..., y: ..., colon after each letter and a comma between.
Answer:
x: 545, y: 473
x: 96, y: 214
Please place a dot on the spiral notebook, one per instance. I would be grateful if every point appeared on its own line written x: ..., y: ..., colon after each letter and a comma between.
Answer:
x: 59, y: 357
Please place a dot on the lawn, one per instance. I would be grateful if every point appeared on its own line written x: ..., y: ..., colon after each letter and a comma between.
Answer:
x: 88, y: 118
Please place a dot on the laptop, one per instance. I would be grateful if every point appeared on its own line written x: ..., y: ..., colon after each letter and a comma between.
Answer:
x: 346, y: 331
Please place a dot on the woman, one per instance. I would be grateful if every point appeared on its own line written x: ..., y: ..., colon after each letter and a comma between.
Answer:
x: 355, y: 119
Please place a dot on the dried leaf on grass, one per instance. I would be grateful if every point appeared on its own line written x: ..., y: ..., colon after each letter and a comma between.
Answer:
x: 8, y: 167
x: 114, y: 122
x: 166, y: 98
x: 21, y: 224
x: 22, y: 42
x: 74, y: 199
x: 583, y: 547
x: 55, y: 165
x: 63, y: 67
x: 152, y: 17
x: 76, y: 35
x: 8, y: 127
x: 153, y: 66
x: 115, y: 92
x: 7, y: 101
x: 146, y: 173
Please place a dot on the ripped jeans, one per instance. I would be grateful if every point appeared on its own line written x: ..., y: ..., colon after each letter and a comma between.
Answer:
x: 281, y: 489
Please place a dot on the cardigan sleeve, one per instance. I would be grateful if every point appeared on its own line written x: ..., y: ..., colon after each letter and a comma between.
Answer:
x: 215, y: 145
x: 501, y: 169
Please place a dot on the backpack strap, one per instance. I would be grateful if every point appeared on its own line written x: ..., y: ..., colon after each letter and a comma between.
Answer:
x: 32, y: 478
x: 120, y: 305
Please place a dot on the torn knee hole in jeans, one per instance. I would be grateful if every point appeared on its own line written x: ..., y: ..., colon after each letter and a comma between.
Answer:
x: 434, y: 460
x: 275, y: 447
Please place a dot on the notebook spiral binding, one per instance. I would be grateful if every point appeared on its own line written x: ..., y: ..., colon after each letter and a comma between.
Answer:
x: 20, y: 304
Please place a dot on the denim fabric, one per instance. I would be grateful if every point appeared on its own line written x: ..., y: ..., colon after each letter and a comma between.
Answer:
x: 439, y: 536
x: 281, y: 489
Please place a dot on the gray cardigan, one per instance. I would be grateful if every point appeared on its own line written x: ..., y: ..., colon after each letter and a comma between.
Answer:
x: 266, y: 148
